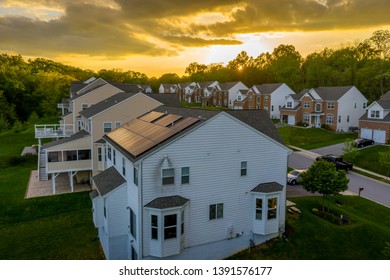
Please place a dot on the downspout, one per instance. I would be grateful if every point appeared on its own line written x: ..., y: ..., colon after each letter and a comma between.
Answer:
x: 141, y: 214
x: 92, y: 151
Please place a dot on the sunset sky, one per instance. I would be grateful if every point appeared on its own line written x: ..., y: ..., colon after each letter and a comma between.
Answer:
x: 164, y: 36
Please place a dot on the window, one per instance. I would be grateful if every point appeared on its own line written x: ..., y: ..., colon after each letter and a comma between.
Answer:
x: 354, y: 105
x: 239, y: 98
x: 107, y: 127
x: 289, y: 104
x: 168, y: 176
x: 123, y: 166
x: 250, y: 107
x: 182, y: 222
x: 117, y: 124
x: 339, y: 119
x: 272, y: 108
x: 170, y: 225
x: 216, y: 211
x: 70, y: 155
x: 105, y: 207
x: 259, y: 209
x: 84, y: 106
x: 250, y: 98
x: 84, y: 154
x: 266, y: 107
x: 135, y: 177
x: 243, y: 168
x: 53, y: 156
x: 133, y: 224
x: 329, y: 119
x: 154, y: 226
x: 114, y: 156
x: 347, y: 118
x: 109, y: 152
x: 318, y: 107
x: 99, y: 154
x: 330, y: 105
x: 306, y: 104
x: 375, y: 114
x: 306, y: 117
x: 258, y: 99
x: 364, y: 105
x: 272, y: 208
x: 185, y: 175
x: 266, y: 98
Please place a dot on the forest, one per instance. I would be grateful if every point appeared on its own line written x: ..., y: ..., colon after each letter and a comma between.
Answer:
x: 31, y: 89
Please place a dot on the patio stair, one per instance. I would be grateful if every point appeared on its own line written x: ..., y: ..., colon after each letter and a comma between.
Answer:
x: 42, y: 167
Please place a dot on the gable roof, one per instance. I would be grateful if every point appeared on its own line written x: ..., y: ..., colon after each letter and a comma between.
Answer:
x: 184, y: 120
x: 76, y: 136
x: 332, y: 93
x: 169, y: 99
x: 268, y: 188
x: 108, y: 180
x: 167, y: 202
x: 206, y: 84
x: 365, y: 117
x: 384, y: 101
x: 267, y: 88
x: 133, y: 88
x: 105, y: 104
x: 228, y: 86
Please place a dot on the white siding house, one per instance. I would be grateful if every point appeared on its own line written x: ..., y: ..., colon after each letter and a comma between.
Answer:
x: 201, y: 185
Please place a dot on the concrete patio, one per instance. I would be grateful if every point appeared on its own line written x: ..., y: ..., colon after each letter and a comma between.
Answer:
x: 36, y: 188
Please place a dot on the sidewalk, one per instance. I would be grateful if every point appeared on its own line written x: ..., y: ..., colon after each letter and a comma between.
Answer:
x: 315, y: 155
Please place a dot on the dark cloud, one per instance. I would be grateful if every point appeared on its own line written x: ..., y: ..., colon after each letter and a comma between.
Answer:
x: 118, y: 28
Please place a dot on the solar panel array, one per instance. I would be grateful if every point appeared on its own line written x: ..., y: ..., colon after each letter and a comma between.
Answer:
x: 142, y: 134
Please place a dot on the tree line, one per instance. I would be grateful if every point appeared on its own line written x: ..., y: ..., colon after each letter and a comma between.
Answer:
x: 31, y: 89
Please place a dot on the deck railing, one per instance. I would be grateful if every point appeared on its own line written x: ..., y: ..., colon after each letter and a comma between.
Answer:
x: 53, y: 130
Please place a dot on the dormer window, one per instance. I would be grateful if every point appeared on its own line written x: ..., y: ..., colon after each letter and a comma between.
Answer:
x: 375, y: 114
x: 289, y: 104
x: 239, y: 98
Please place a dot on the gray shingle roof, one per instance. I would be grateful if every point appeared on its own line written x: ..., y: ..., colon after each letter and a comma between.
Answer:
x: 227, y: 86
x: 105, y: 104
x: 76, y: 86
x: 268, y: 88
x: 169, y: 99
x: 366, y: 118
x: 108, y: 180
x: 258, y: 119
x: 93, y: 194
x: 76, y: 136
x: 268, y: 187
x: 167, y: 202
x: 131, y: 88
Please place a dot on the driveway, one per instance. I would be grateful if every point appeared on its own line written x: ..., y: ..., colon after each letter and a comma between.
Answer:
x: 333, y: 149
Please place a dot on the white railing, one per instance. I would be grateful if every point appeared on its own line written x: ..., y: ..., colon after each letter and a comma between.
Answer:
x: 53, y: 130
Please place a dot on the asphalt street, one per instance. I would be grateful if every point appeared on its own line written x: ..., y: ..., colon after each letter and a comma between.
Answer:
x: 373, y: 189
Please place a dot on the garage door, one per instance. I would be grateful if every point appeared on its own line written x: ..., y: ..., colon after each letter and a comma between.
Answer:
x: 379, y: 136
x: 291, y: 120
x: 366, y: 133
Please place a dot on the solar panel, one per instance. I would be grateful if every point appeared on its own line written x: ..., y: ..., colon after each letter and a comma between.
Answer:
x: 168, y: 120
x: 140, y: 135
x: 152, y: 116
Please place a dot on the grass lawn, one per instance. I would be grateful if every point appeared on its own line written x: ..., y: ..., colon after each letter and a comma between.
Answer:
x: 368, y: 159
x: 313, y: 238
x: 55, y: 227
x: 312, y: 138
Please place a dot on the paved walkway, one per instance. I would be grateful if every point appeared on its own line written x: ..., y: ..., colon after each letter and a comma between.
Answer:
x: 36, y: 188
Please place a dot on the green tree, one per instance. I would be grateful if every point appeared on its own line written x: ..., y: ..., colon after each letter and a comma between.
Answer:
x: 322, y: 177
x: 350, y: 151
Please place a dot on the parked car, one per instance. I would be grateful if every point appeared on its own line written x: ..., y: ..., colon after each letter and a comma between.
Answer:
x: 338, y: 161
x: 294, y: 176
x: 360, y: 143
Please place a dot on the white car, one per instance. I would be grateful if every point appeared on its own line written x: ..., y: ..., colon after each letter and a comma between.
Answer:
x: 294, y: 176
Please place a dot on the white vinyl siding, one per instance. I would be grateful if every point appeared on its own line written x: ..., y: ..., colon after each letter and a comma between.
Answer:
x: 202, y: 151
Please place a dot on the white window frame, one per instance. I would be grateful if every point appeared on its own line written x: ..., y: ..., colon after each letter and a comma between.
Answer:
x: 375, y: 114
x: 105, y: 130
x: 330, y: 105
x: 168, y: 180
x: 272, y: 209
x: 244, y: 168
x: 306, y: 104
x: 217, y: 212
x: 289, y: 104
x: 328, y: 118
x: 185, y: 176
x: 259, y: 209
x: 117, y: 124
